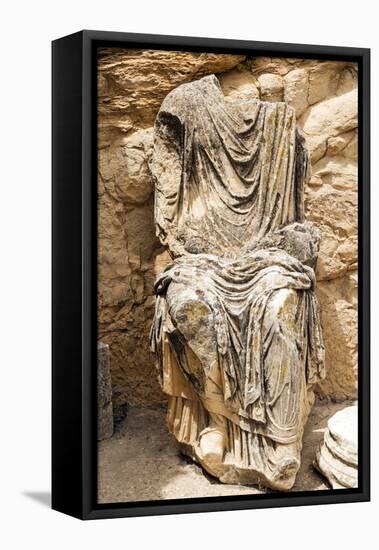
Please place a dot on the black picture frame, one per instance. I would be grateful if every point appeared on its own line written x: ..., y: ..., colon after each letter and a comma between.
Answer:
x: 74, y: 295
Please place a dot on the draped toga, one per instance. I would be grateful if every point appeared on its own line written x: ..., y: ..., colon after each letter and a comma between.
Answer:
x: 229, y: 181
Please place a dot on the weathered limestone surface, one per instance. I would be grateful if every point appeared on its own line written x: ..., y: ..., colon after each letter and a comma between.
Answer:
x: 236, y: 332
x: 104, y: 394
x: 337, y: 456
x: 132, y: 86
x: 133, y: 83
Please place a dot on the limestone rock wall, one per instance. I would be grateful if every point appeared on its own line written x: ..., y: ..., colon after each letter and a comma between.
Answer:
x: 131, y: 86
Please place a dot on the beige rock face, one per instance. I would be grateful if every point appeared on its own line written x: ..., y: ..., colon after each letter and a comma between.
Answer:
x: 238, y: 84
x: 133, y: 83
x: 271, y: 87
x: 338, y: 304
x: 323, y: 81
x: 333, y: 116
x: 132, y: 86
x: 296, y: 89
x: 335, y: 213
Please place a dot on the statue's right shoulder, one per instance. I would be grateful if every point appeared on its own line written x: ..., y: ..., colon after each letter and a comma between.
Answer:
x: 188, y: 96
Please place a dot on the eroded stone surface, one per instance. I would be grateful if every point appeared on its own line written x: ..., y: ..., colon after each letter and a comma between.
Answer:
x: 333, y: 116
x: 338, y: 303
x: 104, y: 394
x: 127, y: 109
x: 239, y: 84
x: 334, y: 212
x: 133, y: 83
x: 271, y: 87
x: 296, y: 89
x: 236, y: 332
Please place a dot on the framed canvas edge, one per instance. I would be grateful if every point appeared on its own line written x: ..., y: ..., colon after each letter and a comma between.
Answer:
x: 81, y: 374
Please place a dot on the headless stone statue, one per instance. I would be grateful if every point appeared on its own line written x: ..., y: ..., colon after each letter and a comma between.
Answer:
x: 236, y: 331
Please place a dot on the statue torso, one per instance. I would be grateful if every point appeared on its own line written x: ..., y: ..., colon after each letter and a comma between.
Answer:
x: 226, y: 173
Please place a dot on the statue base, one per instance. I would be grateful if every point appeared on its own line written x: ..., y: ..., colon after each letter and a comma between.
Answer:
x: 233, y: 455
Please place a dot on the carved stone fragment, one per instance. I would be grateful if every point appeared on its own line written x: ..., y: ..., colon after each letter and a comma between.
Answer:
x: 104, y: 394
x: 337, y: 457
x: 236, y: 333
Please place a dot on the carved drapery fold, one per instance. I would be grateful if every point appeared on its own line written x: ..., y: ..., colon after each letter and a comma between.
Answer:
x: 236, y: 332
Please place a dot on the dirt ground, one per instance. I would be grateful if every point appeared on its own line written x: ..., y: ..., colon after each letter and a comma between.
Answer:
x: 141, y: 461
